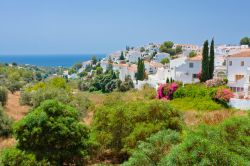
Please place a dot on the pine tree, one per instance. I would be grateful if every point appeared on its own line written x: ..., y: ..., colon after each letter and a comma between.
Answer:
x: 211, y: 60
x: 205, y: 63
x: 122, y: 56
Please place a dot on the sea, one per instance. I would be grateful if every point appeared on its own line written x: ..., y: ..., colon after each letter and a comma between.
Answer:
x: 48, y: 60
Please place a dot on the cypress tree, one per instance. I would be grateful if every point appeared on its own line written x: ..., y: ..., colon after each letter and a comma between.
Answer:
x: 110, y: 66
x: 205, y: 63
x: 122, y: 56
x: 140, y: 69
x: 211, y: 59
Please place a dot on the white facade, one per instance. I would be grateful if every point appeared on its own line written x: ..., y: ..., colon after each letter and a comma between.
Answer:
x: 133, y: 56
x: 238, y: 72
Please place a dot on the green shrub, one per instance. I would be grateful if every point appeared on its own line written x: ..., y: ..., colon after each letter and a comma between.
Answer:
x: 37, y: 97
x: 123, y: 124
x: 227, y: 144
x: 81, y: 102
x: 151, y: 151
x: 3, y: 96
x: 5, y: 124
x: 53, y: 132
x: 16, y: 157
x: 199, y: 104
x: 15, y: 86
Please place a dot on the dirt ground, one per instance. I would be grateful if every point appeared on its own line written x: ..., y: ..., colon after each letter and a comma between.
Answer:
x: 13, y: 107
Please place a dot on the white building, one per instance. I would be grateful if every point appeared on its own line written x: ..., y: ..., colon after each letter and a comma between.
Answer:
x: 186, y: 72
x: 133, y: 56
x: 152, y: 67
x: 238, y: 72
x: 159, y: 56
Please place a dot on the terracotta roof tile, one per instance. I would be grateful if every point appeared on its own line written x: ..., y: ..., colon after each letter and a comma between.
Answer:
x: 244, y: 53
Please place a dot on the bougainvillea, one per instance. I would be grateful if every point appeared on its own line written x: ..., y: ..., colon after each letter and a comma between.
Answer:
x: 166, y: 91
x: 215, y: 82
x: 224, y: 94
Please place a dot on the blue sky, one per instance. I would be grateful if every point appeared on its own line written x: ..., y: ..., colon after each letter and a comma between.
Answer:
x: 103, y: 26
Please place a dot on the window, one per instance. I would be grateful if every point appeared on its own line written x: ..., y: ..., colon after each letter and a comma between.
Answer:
x: 238, y: 77
x: 230, y: 63
x: 191, y: 65
x: 242, y: 63
x: 195, y: 75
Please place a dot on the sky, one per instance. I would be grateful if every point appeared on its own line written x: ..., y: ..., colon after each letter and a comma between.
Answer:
x: 104, y: 26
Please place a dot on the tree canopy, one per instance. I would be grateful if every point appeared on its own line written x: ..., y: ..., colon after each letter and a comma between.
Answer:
x: 52, y: 131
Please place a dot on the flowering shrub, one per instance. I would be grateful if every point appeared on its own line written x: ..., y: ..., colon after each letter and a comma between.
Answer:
x: 223, y: 95
x: 215, y: 82
x: 166, y: 91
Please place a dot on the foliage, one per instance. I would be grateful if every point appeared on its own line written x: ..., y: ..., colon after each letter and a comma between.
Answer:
x: 14, y: 86
x: 55, y: 88
x: 5, y: 124
x: 223, y: 95
x: 16, y: 157
x: 3, y: 96
x: 168, y: 48
x: 166, y: 91
x: 53, y: 132
x: 122, y: 56
x: 205, y: 63
x: 155, y: 147
x: 194, y: 91
x: 120, y: 125
x: 215, y: 82
x: 227, y: 144
x: 81, y: 102
x: 140, y: 75
x: 211, y: 60
x: 125, y: 85
x: 178, y: 49
x: 94, y: 60
x: 165, y: 61
x: 192, y: 54
x: 245, y: 41
x: 197, y: 104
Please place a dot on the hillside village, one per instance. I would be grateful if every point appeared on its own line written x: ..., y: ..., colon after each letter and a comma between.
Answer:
x: 181, y: 62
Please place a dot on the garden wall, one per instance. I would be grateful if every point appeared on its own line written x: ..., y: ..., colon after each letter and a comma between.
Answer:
x: 242, y: 104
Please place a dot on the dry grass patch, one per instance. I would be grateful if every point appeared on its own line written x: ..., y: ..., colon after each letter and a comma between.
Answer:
x: 13, y: 107
x: 194, y: 118
x: 7, y: 143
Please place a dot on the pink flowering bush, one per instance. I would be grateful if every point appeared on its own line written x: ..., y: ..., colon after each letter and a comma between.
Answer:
x: 166, y: 91
x: 223, y: 95
x: 215, y: 82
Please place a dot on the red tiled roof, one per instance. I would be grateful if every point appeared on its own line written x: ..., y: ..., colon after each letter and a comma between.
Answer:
x: 244, y: 53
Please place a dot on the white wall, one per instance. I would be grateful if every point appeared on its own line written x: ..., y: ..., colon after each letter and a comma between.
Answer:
x: 236, y: 68
x: 242, y: 104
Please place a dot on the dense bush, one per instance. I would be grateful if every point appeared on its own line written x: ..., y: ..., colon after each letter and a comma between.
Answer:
x: 106, y: 82
x: 195, y: 91
x: 81, y: 102
x: 126, y: 85
x: 215, y: 82
x: 227, y: 144
x: 55, y: 88
x: 53, y: 132
x: 3, y: 96
x: 155, y: 147
x: 119, y: 126
x: 16, y: 157
x: 166, y: 91
x: 223, y: 95
x: 5, y: 124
